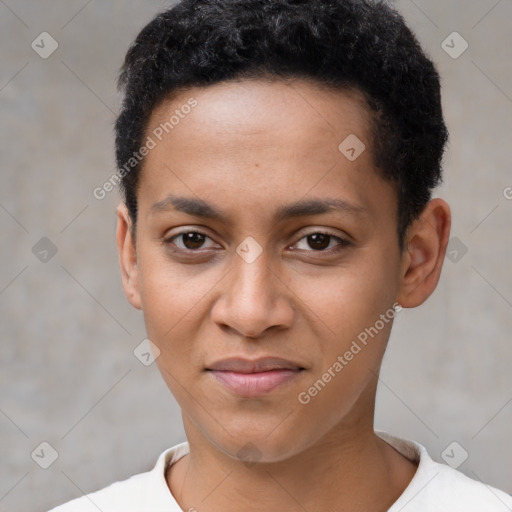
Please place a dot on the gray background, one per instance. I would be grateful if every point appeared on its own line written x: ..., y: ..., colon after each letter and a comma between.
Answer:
x: 68, y: 373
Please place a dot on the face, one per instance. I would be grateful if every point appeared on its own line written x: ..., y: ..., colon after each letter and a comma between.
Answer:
x: 264, y: 253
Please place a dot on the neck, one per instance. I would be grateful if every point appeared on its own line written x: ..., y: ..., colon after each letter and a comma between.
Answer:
x: 349, y: 469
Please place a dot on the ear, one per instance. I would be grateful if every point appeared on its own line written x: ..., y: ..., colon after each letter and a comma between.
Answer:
x: 127, y: 256
x: 425, y: 248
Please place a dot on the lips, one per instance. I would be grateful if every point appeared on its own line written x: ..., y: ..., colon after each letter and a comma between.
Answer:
x: 252, y: 378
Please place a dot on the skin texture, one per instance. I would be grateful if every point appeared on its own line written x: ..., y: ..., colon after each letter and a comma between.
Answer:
x: 247, y: 148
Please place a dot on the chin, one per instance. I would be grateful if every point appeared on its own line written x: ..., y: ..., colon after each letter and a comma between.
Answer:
x: 263, y: 445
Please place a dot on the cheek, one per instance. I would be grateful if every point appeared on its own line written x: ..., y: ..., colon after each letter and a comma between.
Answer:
x: 175, y: 303
x: 350, y: 350
x: 170, y: 292
x: 345, y: 308
x: 345, y: 301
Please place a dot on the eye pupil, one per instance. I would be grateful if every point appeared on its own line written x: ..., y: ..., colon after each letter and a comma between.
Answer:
x: 319, y: 240
x: 196, y: 239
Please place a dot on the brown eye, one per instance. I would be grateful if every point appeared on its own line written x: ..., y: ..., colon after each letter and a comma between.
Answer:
x: 193, y: 240
x: 189, y: 240
x: 321, y: 242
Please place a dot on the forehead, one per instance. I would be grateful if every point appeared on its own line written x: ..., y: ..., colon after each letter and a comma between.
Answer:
x: 259, y: 106
x: 261, y: 140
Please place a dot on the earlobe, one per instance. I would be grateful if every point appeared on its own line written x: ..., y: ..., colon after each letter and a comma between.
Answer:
x: 426, y: 242
x: 127, y: 256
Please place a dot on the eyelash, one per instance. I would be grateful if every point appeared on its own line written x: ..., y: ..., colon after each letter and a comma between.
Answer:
x: 343, y: 243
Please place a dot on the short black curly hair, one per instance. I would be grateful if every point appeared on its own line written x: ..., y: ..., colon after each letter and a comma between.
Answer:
x: 344, y: 44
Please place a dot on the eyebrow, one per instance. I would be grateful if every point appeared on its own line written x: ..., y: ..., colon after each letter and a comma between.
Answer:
x: 303, y: 208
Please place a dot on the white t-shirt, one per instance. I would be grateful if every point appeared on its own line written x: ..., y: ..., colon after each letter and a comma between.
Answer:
x: 434, y: 488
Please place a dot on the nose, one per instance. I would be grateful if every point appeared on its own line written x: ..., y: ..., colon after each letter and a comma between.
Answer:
x: 254, y: 298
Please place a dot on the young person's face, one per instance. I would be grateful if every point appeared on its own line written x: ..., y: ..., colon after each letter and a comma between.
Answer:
x: 255, y: 285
